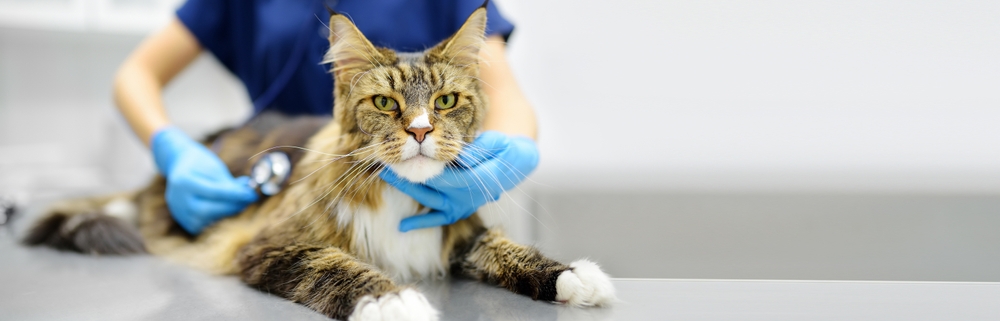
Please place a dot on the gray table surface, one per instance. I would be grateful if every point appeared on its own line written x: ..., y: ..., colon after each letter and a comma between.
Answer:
x: 43, y: 284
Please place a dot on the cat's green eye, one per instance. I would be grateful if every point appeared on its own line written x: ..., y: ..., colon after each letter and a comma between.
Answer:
x: 384, y: 103
x: 446, y: 101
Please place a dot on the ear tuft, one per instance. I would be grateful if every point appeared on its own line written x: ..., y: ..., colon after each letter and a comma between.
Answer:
x: 333, y: 13
x: 349, y: 49
x: 463, y: 47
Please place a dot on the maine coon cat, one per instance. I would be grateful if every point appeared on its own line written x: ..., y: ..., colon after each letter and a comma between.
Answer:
x: 330, y: 239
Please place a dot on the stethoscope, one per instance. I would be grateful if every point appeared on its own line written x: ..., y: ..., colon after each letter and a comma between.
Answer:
x: 271, y: 171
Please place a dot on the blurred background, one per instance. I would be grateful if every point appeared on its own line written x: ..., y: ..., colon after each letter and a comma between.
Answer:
x: 680, y: 139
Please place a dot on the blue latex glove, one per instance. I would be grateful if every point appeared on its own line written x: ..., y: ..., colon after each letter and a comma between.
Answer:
x: 492, y: 164
x: 200, y: 190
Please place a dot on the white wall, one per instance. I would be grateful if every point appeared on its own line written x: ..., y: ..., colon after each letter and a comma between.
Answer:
x: 764, y: 95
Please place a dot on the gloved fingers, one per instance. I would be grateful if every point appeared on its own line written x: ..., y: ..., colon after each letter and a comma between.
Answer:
x: 507, y: 167
x: 194, y: 214
x: 422, y: 194
x: 519, y: 159
x: 222, y: 188
x: 191, y: 224
x: 496, y: 178
x: 242, y: 180
x: 432, y: 219
x: 182, y: 214
x: 168, y: 144
x: 212, y: 210
x: 527, y: 152
x: 514, y: 164
x: 485, y: 147
x: 491, y: 177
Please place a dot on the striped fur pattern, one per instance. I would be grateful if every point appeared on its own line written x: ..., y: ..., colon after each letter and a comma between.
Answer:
x: 330, y: 240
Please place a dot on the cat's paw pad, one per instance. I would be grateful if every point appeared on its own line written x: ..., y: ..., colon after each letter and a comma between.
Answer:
x: 584, y: 285
x: 407, y: 305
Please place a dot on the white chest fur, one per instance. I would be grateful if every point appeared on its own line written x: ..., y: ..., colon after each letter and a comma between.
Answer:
x: 404, y: 256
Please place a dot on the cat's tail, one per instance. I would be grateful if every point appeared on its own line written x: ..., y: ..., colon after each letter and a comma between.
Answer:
x: 100, y: 225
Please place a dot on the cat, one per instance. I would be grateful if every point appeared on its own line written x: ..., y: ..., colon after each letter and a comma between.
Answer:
x: 330, y: 239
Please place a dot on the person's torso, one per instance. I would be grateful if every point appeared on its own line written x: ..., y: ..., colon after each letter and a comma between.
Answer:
x: 289, y: 38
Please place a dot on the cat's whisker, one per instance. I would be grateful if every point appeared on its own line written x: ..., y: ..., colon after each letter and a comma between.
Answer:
x: 354, y: 174
x: 357, y: 188
x: 286, y: 218
x: 338, y: 200
x: 352, y: 169
x: 520, y: 176
x: 355, y: 79
x: 473, y: 77
x: 372, y: 180
x: 351, y: 174
x: 370, y: 147
x: 359, y: 167
x: 314, y: 171
x: 503, y: 192
x: 483, y: 152
x: 516, y: 186
x: 316, y: 200
x: 365, y: 185
x: 484, y: 190
x: 353, y: 152
x: 335, y: 183
x: 295, y: 147
x: 504, y: 215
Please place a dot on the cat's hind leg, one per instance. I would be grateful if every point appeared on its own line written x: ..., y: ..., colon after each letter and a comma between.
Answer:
x: 99, y: 225
x: 522, y: 269
x: 330, y: 281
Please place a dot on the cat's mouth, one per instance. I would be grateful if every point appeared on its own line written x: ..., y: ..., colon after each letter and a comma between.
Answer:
x: 418, y: 168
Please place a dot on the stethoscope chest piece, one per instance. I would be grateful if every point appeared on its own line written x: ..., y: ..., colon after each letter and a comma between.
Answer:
x: 269, y: 172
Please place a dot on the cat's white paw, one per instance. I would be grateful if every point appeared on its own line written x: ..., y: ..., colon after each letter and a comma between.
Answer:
x: 407, y: 305
x: 584, y: 285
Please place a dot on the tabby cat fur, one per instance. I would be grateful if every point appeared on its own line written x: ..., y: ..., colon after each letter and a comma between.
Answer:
x: 330, y: 239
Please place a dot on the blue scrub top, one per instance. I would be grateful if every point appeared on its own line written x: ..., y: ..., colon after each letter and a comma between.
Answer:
x: 275, y: 46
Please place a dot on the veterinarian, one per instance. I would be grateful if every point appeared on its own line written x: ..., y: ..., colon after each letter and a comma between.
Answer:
x: 275, y: 49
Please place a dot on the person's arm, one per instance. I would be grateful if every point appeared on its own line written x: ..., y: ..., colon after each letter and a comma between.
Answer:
x: 200, y: 190
x: 509, y: 112
x: 138, y: 86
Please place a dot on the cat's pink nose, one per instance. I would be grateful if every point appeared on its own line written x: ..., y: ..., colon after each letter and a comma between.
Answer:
x: 419, y: 133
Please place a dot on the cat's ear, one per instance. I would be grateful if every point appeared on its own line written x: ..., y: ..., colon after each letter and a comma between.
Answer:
x: 349, y: 49
x: 463, y: 47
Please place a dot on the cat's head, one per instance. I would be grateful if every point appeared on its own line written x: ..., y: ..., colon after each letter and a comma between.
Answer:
x: 410, y: 111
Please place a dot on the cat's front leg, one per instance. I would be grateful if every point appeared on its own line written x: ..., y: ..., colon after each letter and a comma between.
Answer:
x: 330, y: 281
x: 497, y: 260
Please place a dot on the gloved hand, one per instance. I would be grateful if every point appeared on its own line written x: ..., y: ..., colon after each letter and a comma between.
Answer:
x: 200, y: 190
x: 492, y: 164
